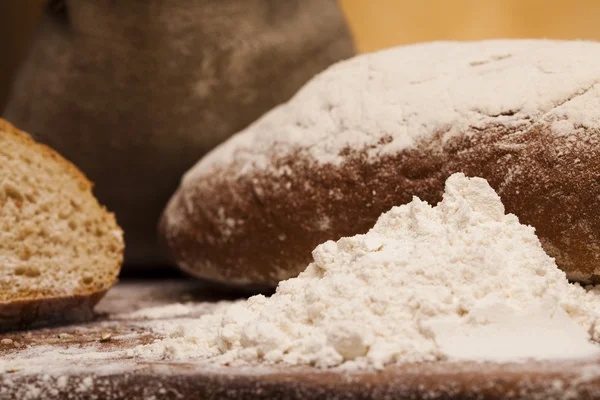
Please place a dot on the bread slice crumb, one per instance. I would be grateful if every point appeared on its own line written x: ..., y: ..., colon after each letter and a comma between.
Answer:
x: 56, y: 241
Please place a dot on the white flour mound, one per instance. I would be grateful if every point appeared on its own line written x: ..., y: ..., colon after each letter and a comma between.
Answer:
x: 462, y: 280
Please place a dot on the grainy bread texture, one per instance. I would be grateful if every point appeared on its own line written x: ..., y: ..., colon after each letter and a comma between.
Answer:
x: 59, y: 249
x: 135, y: 92
x: 371, y: 132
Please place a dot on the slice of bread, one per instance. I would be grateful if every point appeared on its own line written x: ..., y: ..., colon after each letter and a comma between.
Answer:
x: 60, y: 251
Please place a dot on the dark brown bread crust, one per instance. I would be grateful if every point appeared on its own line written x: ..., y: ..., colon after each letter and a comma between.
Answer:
x: 556, y: 189
x: 21, y: 314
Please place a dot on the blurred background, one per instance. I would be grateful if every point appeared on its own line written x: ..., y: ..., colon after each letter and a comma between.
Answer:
x: 378, y: 24
x: 65, y: 92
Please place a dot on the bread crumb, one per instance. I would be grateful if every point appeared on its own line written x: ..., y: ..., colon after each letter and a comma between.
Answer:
x: 105, y: 336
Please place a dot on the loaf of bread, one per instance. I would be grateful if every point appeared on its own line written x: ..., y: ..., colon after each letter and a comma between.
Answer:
x: 135, y: 92
x: 371, y: 132
x: 60, y: 251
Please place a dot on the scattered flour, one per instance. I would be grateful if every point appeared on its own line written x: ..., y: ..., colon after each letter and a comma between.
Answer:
x: 388, y: 100
x: 462, y: 280
x: 169, y: 311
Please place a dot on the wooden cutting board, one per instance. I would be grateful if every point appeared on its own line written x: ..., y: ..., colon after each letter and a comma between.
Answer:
x: 83, y: 362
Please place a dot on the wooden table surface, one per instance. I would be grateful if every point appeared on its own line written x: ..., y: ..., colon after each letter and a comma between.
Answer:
x: 75, y: 362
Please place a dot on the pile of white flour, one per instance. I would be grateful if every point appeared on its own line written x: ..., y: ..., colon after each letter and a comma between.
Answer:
x: 462, y: 280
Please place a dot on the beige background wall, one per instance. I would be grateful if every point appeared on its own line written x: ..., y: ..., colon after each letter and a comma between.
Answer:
x: 380, y: 23
x: 383, y: 23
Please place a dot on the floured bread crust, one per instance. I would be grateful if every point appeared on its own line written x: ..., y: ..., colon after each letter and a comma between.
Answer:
x: 371, y: 132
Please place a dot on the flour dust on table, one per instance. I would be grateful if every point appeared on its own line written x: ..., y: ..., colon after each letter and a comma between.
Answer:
x: 459, y: 281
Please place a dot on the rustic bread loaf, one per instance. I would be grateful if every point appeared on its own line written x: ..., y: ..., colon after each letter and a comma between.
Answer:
x: 135, y: 92
x: 59, y: 249
x: 372, y: 132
